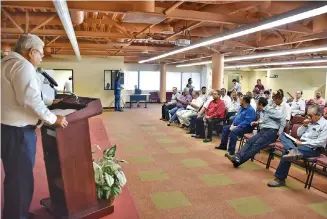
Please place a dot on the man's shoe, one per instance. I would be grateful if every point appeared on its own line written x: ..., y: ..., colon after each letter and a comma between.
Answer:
x: 190, y: 132
x: 207, y: 140
x: 181, y: 125
x: 233, y: 159
x: 195, y: 136
x: 162, y: 118
x: 293, y: 154
x: 276, y: 183
x: 220, y: 147
x: 168, y: 124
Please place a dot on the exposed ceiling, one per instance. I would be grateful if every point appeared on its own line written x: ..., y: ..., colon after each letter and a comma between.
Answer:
x: 140, y: 30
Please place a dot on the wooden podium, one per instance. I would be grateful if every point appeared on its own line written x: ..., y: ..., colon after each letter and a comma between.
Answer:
x: 68, y: 163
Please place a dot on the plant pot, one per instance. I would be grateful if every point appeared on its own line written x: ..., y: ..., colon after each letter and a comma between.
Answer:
x: 111, y: 200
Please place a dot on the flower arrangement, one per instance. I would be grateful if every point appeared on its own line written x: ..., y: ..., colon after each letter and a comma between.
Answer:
x: 109, y: 178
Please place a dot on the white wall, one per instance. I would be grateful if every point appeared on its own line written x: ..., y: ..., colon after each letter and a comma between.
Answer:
x: 88, y: 74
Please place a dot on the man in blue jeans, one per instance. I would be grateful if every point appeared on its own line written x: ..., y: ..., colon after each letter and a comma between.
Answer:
x: 240, y: 126
x: 271, y: 123
x: 313, y: 135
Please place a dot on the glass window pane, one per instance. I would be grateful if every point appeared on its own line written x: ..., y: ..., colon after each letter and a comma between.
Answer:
x: 149, y: 80
x: 173, y: 79
x: 196, y: 78
x: 131, y: 79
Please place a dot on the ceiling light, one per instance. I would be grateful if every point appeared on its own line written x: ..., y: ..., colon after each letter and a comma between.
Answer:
x: 264, y: 55
x: 282, y: 19
x: 292, y: 67
x: 63, y: 13
x: 309, y: 61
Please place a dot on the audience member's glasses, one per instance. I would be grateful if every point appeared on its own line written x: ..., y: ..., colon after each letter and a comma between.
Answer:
x: 41, y: 54
x: 309, y: 116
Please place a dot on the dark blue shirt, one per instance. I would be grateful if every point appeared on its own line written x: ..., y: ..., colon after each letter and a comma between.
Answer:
x: 117, y: 87
x: 244, y: 117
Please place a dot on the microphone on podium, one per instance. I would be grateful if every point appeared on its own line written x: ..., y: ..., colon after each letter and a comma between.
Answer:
x: 48, y: 77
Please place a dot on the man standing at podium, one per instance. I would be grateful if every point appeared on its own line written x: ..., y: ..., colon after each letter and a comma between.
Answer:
x: 22, y: 110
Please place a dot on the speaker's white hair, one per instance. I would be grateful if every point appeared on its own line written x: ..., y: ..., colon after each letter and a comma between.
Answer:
x: 27, y: 42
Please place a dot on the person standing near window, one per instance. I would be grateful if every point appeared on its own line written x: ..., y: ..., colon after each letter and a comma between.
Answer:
x: 237, y: 86
x: 117, y: 93
x: 22, y: 110
x: 68, y: 87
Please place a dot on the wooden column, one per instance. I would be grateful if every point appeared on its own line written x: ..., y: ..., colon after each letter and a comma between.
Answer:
x: 217, y: 71
x: 163, y: 83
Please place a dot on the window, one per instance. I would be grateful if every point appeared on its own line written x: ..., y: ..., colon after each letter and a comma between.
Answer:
x: 196, y: 78
x: 149, y: 80
x: 173, y: 79
x: 131, y: 79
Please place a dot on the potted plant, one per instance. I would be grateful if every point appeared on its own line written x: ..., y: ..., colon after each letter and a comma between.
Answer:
x: 109, y: 177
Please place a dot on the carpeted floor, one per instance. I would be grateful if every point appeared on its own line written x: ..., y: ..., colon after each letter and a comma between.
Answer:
x: 171, y: 175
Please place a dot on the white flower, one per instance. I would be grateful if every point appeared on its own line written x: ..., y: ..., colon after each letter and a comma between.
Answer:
x: 121, y: 178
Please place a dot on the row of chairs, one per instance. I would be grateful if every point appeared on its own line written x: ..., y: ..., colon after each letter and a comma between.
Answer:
x: 312, y: 165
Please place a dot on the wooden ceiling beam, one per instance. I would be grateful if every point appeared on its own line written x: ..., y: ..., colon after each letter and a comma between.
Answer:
x: 7, y: 15
x: 172, y: 7
x: 27, y: 21
x: 40, y: 32
x: 192, y: 26
x: 125, y: 7
x: 43, y: 23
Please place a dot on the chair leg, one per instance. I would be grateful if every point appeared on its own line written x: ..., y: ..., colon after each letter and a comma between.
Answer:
x: 311, y: 178
x: 308, y: 177
x: 306, y: 167
x: 270, y: 157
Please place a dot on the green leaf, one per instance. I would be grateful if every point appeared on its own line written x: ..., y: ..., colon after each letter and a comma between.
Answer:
x: 107, y: 194
x: 110, y: 152
x: 121, y: 178
x: 115, y: 190
x: 110, y: 181
x: 99, y: 193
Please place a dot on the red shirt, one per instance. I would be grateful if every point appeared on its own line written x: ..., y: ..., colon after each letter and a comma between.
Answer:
x: 259, y: 86
x: 216, y: 109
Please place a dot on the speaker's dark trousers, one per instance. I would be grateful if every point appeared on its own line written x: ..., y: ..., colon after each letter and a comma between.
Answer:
x: 117, y: 102
x: 18, y: 147
x: 164, y: 110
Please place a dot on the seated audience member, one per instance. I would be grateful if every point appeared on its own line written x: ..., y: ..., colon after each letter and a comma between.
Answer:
x: 253, y: 103
x: 213, y: 113
x: 191, y: 110
x: 234, y: 106
x: 170, y: 105
x: 268, y: 96
x: 204, y: 95
x: 313, y: 139
x: 200, y: 113
x: 324, y: 113
x: 240, y: 126
x: 283, y: 107
x: 225, y: 98
x: 298, y: 105
x: 181, y: 102
x: 284, y: 98
x: 259, y: 85
x: 239, y: 94
x: 318, y: 100
x: 271, y: 123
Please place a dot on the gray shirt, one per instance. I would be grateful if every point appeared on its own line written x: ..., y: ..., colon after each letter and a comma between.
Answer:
x: 272, y: 118
x: 173, y: 98
x: 315, y: 135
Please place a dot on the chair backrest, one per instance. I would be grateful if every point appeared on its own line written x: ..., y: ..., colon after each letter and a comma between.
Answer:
x: 294, y: 130
x: 297, y: 120
x: 169, y: 96
x: 154, y: 94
